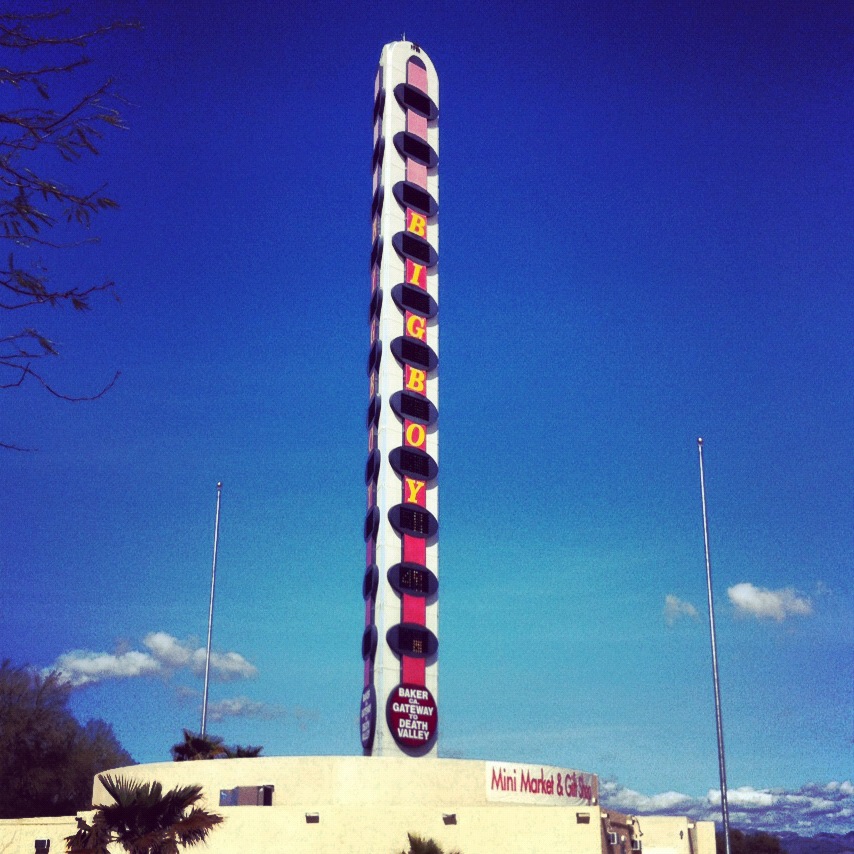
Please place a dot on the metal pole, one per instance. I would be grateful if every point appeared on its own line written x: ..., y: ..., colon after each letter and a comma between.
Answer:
x: 210, y: 612
x: 718, y: 719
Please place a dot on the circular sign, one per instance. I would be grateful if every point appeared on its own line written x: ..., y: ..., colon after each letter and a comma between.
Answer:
x: 412, y: 716
x: 368, y: 716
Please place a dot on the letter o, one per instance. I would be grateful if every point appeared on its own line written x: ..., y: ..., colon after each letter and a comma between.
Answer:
x: 416, y: 435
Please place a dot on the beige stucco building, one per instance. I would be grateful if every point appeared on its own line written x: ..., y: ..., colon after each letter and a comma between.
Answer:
x: 368, y: 805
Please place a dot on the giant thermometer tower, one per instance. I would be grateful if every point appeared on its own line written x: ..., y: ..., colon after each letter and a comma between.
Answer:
x: 399, y: 712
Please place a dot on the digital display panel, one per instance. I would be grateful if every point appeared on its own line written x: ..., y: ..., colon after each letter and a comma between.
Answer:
x: 415, y: 580
x: 415, y: 463
x: 416, y: 521
x: 417, y: 198
x: 413, y: 352
x: 416, y: 248
x: 412, y: 640
x: 413, y: 147
x: 415, y: 407
x: 417, y: 101
x: 416, y: 300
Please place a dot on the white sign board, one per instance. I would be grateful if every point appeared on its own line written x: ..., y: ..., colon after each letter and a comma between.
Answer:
x: 514, y: 783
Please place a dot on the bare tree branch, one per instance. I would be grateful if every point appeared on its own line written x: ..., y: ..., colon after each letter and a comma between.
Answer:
x: 32, y: 202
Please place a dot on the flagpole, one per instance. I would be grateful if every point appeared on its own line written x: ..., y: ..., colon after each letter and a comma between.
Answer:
x: 715, y: 680
x: 210, y: 612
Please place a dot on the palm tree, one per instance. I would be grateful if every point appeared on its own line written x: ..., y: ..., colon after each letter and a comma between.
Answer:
x: 196, y: 746
x: 240, y: 751
x: 419, y: 845
x: 144, y: 820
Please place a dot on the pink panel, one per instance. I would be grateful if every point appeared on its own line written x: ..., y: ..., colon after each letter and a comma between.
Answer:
x: 416, y: 76
x: 416, y: 124
x: 416, y: 173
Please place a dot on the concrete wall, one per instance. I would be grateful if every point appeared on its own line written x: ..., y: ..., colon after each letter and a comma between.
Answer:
x: 368, y: 805
x: 316, y: 781
x: 375, y: 830
x: 18, y: 835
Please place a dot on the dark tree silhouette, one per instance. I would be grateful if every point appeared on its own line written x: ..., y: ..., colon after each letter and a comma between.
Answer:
x: 47, y: 758
x: 195, y: 746
x: 419, y: 845
x: 240, y: 751
x: 748, y: 843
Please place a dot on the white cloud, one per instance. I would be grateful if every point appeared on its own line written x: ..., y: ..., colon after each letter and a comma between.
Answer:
x: 82, y: 667
x: 243, y: 707
x: 634, y: 802
x: 768, y: 604
x: 165, y: 655
x: 168, y: 650
x: 674, y: 608
x: 175, y: 655
x: 813, y: 808
x: 744, y: 797
x: 225, y: 666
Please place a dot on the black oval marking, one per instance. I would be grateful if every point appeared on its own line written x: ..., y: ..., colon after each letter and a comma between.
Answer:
x: 379, y: 104
x: 374, y: 356
x: 372, y: 466
x: 415, y: 248
x: 372, y: 523
x: 374, y: 408
x: 410, y: 146
x: 376, y: 304
x: 414, y: 299
x: 377, y: 157
x: 377, y: 252
x: 410, y: 195
x: 371, y: 582
x: 369, y: 643
x: 377, y: 202
x: 411, y: 98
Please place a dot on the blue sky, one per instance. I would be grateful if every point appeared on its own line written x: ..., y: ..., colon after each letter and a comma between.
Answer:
x: 646, y: 236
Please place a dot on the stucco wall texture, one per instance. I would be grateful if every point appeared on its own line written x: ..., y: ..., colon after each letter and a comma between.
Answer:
x: 368, y: 805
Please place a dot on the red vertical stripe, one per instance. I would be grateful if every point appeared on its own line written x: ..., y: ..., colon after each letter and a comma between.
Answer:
x: 413, y: 671
x: 414, y: 609
x: 415, y: 549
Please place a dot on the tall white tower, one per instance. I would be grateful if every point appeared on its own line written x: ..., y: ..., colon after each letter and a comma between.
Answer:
x: 399, y: 712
